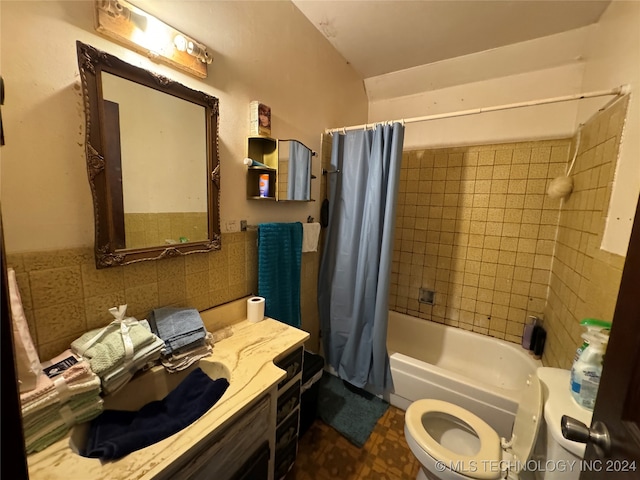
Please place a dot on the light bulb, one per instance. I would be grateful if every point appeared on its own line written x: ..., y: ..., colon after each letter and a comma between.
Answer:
x: 180, y: 42
x: 199, y: 52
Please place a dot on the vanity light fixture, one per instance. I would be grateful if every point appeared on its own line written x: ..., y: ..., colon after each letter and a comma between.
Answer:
x: 135, y: 28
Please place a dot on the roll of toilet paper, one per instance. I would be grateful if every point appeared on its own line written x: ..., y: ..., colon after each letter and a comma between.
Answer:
x: 255, y: 309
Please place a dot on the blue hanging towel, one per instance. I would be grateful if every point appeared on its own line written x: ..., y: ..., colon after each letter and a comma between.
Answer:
x: 279, y: 260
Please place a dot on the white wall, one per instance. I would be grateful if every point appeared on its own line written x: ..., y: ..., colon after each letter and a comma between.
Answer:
x: 598, y: 57
x: 538, y: 54
x: 531, y: 123
x: 546, y: 67
x: 46, y: 200
x: 613, y: 58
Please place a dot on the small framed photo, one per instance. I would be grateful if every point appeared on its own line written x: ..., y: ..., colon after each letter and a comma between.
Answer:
x: 260, y: 119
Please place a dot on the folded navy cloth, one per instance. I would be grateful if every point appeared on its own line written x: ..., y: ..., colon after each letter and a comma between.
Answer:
x: 116, y: 433
x: 178, y: 327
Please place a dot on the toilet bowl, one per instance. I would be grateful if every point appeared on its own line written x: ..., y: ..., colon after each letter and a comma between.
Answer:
x: 452, y: 443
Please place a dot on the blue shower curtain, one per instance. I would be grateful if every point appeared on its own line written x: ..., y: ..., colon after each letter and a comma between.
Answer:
x: 353, y: 285
x: 298, y: 182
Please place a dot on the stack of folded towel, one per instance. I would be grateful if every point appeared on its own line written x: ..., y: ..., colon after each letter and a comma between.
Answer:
x: 66, y: 393
x: 185, y: 337
x: 116, y: 352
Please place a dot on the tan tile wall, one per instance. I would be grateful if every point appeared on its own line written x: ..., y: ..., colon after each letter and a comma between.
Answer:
x: 475, y: 225
x: 309, y: 299
x: 64, y: 294
x: 283, y: 178
x: 145, y: 229
x: 585, y: 279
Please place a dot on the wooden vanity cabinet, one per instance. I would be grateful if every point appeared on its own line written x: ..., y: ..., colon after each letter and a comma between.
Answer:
x: 239, y: 451
x: 256, y: 467
x: 243, y: 449
x: 288, y: 413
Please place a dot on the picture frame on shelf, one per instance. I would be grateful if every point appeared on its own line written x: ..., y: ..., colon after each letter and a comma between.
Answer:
x: 260, y: 119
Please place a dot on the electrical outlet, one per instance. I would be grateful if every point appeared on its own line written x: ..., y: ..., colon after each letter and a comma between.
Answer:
x: 230, y: 226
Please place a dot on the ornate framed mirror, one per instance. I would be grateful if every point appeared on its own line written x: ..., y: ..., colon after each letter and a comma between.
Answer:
x: 152, y: 162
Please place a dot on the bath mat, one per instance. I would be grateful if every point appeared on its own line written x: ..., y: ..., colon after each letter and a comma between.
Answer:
x: 351, y: 411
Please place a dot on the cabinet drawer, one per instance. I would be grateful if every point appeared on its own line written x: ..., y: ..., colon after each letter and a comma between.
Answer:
x: 292, y: 364
x: 228, y: 451
x: 287, y: 402
x: 285, y: 459
x: 257, y: 467
x: 287, y: 431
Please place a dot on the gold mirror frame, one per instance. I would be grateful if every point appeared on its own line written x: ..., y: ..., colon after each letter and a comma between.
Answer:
x: 91, y: 62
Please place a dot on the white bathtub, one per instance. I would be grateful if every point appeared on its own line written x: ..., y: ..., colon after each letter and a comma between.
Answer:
x: 485, y: 375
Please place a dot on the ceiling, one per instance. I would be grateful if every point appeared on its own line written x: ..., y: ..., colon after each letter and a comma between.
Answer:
x: 378, y: 37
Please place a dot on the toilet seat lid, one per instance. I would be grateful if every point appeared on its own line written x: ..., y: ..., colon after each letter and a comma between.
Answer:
x: 484, y: 465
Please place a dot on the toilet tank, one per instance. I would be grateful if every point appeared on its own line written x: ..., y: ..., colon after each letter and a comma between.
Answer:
x: 559, y: 458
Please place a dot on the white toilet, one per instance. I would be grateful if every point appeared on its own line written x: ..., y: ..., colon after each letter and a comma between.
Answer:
x: 559, y: 402
x: 452, y: 443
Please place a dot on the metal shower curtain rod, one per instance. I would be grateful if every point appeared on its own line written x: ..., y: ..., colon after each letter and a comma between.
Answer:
x: 622, y: 90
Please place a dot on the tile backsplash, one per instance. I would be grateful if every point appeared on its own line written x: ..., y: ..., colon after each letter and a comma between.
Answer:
x: 64, y: 295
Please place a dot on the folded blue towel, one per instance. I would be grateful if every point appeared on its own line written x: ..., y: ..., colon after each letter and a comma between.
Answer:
x: 279, y: 260
x: 190, y: 346
x: 178, y: 327
x: 116, y: 433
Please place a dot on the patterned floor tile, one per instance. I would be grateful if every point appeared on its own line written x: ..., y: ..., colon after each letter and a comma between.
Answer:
x: 324, y: 454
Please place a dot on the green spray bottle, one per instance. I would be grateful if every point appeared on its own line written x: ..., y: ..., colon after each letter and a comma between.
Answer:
x: 592, y: 325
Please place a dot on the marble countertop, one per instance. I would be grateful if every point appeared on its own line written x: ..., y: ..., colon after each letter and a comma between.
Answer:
x: 247, y: 356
